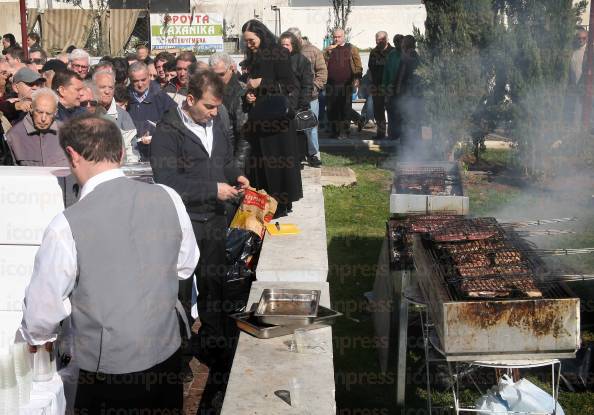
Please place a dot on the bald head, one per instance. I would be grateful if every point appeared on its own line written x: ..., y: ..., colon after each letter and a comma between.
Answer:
x: 338, y: 37
x: 381, y: 39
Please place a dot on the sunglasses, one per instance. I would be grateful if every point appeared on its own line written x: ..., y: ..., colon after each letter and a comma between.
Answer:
x: 88, y: 103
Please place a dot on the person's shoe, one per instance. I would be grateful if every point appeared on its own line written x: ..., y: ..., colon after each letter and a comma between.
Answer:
x: 342, y: 137
x: 360, y: 124
x: 314, y: 161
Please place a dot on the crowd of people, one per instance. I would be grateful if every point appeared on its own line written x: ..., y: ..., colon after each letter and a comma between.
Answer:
x: 209, y: 130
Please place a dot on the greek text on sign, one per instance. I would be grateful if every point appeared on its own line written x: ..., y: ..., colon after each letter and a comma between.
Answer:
x: 199, y: 32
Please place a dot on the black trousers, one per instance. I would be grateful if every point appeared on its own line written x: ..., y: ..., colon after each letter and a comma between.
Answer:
x: 215, y: 343
x: 379, y: 112
x: 339, y: 108
x: 158, y: 390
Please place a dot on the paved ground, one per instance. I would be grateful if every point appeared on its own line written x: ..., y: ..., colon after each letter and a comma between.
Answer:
x: 193, y: 390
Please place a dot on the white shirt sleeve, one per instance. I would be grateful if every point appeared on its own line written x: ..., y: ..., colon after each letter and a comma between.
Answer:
x: 189, y: 254
x: 46, y: 301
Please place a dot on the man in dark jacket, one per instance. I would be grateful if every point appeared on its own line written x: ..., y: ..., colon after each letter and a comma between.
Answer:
x: 147, y: 105
x: 344, y: 73
x: 222, y: 64
x: 192, y: 153
x: 67, y: 85
x: 377, y: 62
x: 177, y: 88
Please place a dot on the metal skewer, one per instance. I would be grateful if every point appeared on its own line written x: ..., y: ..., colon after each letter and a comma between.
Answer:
x: 539, y: 222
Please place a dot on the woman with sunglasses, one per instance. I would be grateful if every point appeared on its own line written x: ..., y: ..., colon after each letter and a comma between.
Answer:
x: 271, y: 102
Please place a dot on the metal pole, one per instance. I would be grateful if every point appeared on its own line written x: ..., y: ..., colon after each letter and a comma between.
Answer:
x: 587, y: 101
x: 23, y: 7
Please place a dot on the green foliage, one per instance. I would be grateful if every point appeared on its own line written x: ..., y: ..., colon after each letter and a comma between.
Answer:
x: 453, y: 68
x: 538, y: 38
x: 500, y: 64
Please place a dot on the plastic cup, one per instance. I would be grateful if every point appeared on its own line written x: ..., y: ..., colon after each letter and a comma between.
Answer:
x: 296, y: 391
x: 22, y: 368
x: 42, y: 365
x: 299, y: 340
x: 9, y: 393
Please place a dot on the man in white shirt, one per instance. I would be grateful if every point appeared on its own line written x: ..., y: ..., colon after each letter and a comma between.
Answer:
x: 113, y: 264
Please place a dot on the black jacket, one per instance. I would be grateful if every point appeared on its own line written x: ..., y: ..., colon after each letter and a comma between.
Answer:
x: 377, y: 62
x: 233, y: 101
x: 303, y: 72
x: 274, y: 67
x: 180, y: 161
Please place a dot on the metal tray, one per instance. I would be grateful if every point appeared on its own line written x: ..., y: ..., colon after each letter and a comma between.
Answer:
x: 250, y: 324
x: 288, y: 306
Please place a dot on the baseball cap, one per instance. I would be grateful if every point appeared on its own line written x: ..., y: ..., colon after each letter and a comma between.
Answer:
x: 26, y: 75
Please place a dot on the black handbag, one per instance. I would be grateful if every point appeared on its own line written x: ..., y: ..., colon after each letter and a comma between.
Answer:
x: 270, y: 107
x: 305, y: 120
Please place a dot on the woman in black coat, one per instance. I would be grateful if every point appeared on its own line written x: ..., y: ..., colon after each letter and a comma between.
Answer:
x: 303, y: 72
x: 271, y: 102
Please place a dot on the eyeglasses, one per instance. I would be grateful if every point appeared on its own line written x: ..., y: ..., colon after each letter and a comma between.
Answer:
x: 77, y: 66
x: 88, y: 103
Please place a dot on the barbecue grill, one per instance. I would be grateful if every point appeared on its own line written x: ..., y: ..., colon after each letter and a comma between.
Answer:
x: 491, y: 296
x: 430, y: 187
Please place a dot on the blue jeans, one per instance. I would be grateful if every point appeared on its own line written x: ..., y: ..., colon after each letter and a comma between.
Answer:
x: 367, y: 111
x: 313, y: 146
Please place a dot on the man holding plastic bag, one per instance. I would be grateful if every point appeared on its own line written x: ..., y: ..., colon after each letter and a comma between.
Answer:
x: 191, y: 152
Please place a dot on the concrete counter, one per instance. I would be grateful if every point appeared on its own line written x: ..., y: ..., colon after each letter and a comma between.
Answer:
x: 263, y: 366
x: 302, y: 257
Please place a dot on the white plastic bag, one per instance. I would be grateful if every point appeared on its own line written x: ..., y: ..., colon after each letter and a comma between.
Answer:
x: 522, y: 396
x: 533, y: 398
x: 491, y: 403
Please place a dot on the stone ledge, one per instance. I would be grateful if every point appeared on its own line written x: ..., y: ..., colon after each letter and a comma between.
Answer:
x: 302, y: 257
x: 263, y: 366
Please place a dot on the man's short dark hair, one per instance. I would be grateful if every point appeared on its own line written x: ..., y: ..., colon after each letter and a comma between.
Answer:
x: 121, y: 93
x: 41, y: 51
x: 186, y: 56
x: 64, y: 78
x: 142, y: 46
x: 169, y: 66
x: 203, y: 81
x: 16, y: 53
x: 165, y: 57
x: 94, y: 138
x: 34, y: 36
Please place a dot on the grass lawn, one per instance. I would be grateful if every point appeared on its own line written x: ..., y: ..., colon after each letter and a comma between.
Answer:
x: 355, y: 219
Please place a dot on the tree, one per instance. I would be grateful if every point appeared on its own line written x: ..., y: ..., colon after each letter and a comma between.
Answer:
x: 454, y: 68
x: 537, y: 38
x: 98, y: 37
x: 341, y: 9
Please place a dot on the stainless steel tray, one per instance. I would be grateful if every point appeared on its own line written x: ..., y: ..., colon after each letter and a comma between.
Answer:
x: 250, y: 324
x: 288, y: 306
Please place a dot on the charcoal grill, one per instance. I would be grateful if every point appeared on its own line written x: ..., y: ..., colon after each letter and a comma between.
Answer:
x: 430, y: 187
x: 491, y: 328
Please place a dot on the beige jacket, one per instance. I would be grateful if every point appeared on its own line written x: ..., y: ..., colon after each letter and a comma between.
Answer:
x: 318, y: 65
x: 356, y: 66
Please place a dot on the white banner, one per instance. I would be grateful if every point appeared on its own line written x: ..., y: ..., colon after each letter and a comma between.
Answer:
x: 199, y: 32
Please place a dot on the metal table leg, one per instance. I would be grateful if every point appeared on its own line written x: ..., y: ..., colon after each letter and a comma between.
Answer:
x: 402, y: 280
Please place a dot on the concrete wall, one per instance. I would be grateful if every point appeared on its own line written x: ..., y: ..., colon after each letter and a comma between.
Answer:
x: 364, y: 22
